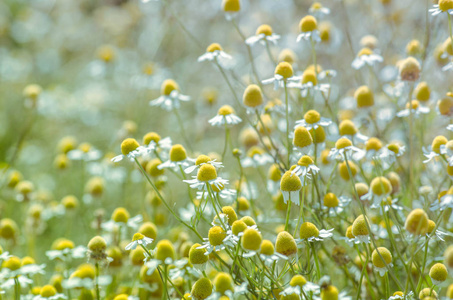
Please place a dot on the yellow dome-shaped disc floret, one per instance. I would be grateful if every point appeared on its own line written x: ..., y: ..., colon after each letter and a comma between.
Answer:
x: 308, y: 23
x: 32, y: 91
x: 342, y: 143
x: 48, y: 291
x: 427, y: 293
x: 373, y: 144
x: 409, y: 69
x: 164, y: 250
x: 207, y: 172
x: 251, y: 240
x: 129, y: 145
x: 61, y: 244
x: 312, y: 117
x: 331, y: 200
x: 151, y: 137
x: 449, y: 293
x: 97, y: 244
x: 438, y: 273
x: 168, y: 86
x: 13, y: 263
x: 267, y: 247
x: 348, y: 233
x: 359, y: 227
x: 364, y: 97
x: 309, y: 75
x: 377, y: 260
x: 380, y: 186
x: 302, y: 137
x: 253, y: 96
x: 8, y: 229
x: 214, y: 47
x: 438, y: 141
x: 249, y: 221
x: 223, y: 282
x: 201, y: 289
x: 197, y: 256
x: 422, y: 92
x: 225, y: 110
x: 231, y: 6
x: 178, y: 153
x: 298, y: 280
x: 284, y: 69
x: 431, y: 226
x: 120, y: 215
x: 149, y: 230
x: 290, y: 182
x: 445, y: 5
x: 152, y: 168
x: 274, y: 173
x: 287, y: 55
x: 264, y: 29
x: 417, y: 222
x: 347, y: 127
x: 308, y: 230
x: 231, y: 214
x: 285, y: 244
x: 238, y: 226
x: 329, y: 292
x: 344, y: 170
x: 305, y: 161
x: 414, y: 47
x: 216, y: 235
x: 445, y: 106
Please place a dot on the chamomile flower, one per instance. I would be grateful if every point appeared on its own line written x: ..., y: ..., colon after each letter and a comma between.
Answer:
x: 442, y: 6
x: 170, y: 96
x: 231, y: 8
x: 415, y: 108
x: 348, y: 130
x: 309, y: 29
x: 445, y: 201
x: 177, y: 158
x: 215, y: 53
x: 380, y: 189
x: 334, y: 204
x: 206, y: 177
x: 50, y: 293
x: 130, y: 149
x: 360, y: 231
x: 251, y: 242
x: 387, y: 203
x: 382, y: 259
x: 305, y: 168
x: 290, y: 185
x: 309, y: 232
x: 400, y: 296
x: 252, y: 98
x: 299, y: 284
x: 268, y: 254
x: 121, y: 219
x: 64, y: 249
x: 302, y: 140
x: 312, y: 119
x: 84, y: 152
x: 225, y: 115
x: 343, y: 146
x: 390, y: 152
x: 308, y: 82
x: 366, y: 57
x: 216, y: 240
x: 153, y: 141
x: 138, y: 239
x: 317, y: 10
x: 434, y: 150
x: 282, y: 75
x: 256, y: 156
x: 264, y: 34
x: 201, y: 160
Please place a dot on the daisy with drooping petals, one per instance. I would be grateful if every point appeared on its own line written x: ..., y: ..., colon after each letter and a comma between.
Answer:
x: 206, y: 177
x: 225, y: 116
x: 343, y: 146
x: 366, y: 57
x: 138, y: 239
x: 170, y: 96
x: 263, y: 35
x: 215, y: 53
x: 309, y: 29
x: 415, y: 108
x: 312, y: 119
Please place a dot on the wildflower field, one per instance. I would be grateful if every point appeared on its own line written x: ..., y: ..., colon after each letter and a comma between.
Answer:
x: 226, y: 149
